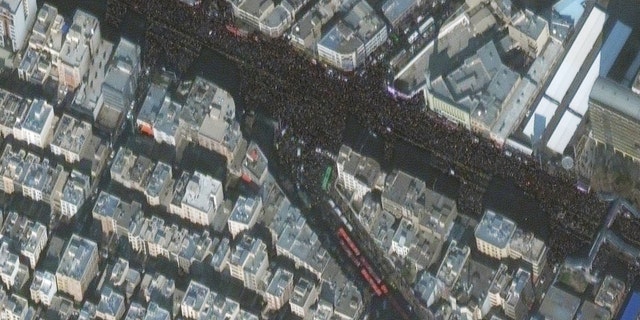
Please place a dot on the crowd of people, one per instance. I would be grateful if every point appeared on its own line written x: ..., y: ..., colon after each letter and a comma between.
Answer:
x: 312, y: 105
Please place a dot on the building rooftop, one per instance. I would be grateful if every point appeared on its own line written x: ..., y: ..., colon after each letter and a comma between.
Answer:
x: 71, y: 134
x: 518, y: 285
x: 358, y: 26
x: 529, y: 23
x: 255, y: 161
x: 43, y: 281
x: 382, y: 230
x: 349, y: 301
x: 204, y: 99
x: 76, y: 44
x: 41, y: 176
x: 363, y: 168
x: 13, y: 108
x: 110, y: 302
x: 131, y: 167
x: 161, y: 173
x: 88, y: 93
x: 77, y: 257
x: 615, y: 97
x: 452, y: 264
x: 611, y: 293
x: 558, y: 304
x: 76, y: 189
x: 590, y: 311
x: 221, y: 252
x: 123, y: 66
x: 531, y: 248
x: 37, y: 116
x: 136, y: 312
x: 153, y: 102
x: 405, y: 190
x: 426, y: 286
x: 219, y: 307
x: 155, y: 312
x: 302, y: 291
x: 200, y: 192
x: 495, y: 229
x: 44, y: 22
x: 195, y: 295
x: 23, y: 232
x: 395, y: 9
x: 279, y: 282
x: 157, y: 284
x: 167, y: 121
x: 244, y: 209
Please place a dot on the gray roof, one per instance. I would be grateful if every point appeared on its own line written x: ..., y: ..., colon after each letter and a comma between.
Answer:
x: 495, y: 229
x: 77, y: 257
x: 76, y: 188
x: 71, y: 134
x: 37, y: 116
x: 615, y: 97
x: 281, y: 280
x: 394, y: 9
x: 530, y: 24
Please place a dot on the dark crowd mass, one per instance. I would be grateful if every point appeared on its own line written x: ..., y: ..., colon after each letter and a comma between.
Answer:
x: 312, y: 106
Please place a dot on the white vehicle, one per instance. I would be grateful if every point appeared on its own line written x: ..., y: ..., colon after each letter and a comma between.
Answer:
x: 338, y: 212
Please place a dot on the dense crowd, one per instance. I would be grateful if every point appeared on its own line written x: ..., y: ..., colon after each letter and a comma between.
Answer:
x: 312, y: 105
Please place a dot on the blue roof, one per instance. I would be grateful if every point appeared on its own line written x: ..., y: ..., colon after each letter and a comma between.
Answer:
x: 570, y: 8
x: 632, y: 309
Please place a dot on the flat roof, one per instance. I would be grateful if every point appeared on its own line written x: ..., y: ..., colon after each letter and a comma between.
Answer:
x: 37, y: 116
x: 495, y: 229
x: 580, y: 101
x: 200, y: 192
x: 564, y: 131
x: 77, y: 257
x: 558, y: 304
x: 71, y: 134
x: 280, y: 281
x: 576, y: 55
x: 540, y: 118
x: 613, y: 45
x: 395, y: 9
x: 616, y: 97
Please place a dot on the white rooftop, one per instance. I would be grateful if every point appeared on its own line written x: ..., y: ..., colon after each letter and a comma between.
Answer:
x: 576, y: 55
x: 540, y: 118
x: 564, y: 132
x: 495, y: 229
x: 37, y: 116
x: 201, y: 191
x: 76, y: 257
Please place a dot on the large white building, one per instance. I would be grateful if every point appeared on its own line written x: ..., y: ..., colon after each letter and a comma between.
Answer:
x: 71, y: 138
x: 304, y: 295
x: 244, y: 215
x: 202, y: 198
x: 9, y: 265
x: 37, y: 127
x: 493, y: 235
x: 75, y: 192
x: 43, y: 287
x: 356, y: 173
x: 78, y: 266
x: 348, y: 44
x: 249, y: 262
x: 16, y: 19
x: 279, y: 290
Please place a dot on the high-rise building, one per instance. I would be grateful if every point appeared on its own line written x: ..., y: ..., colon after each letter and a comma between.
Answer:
x: 121, y: 81
x: 16, y: 19
x: 79, y: 47
x: 78, y: 266
x: 614, y: 112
